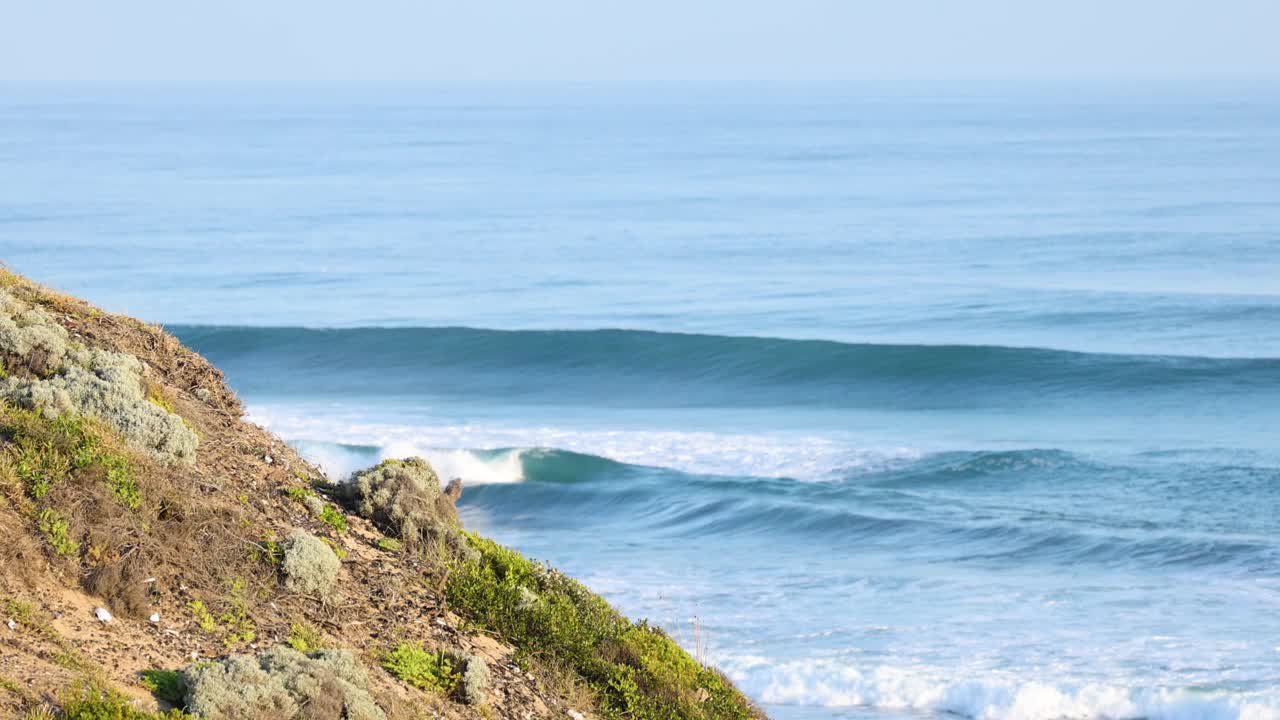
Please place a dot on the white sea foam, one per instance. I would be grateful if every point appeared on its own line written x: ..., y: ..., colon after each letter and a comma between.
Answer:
x: 799, y: 457
x: 828, y: 683
x: 503, y: 467
x: 339, y: 461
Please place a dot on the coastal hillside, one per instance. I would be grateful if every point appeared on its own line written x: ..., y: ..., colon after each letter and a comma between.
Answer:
x: 164, y: 558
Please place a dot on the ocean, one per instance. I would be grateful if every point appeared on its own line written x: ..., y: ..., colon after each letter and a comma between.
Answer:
x: 891, y: 401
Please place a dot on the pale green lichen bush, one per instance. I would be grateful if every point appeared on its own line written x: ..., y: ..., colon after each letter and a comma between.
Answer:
x: 310, y: 566
x: 404, y: 498
x: 474, y: 688
x: 72, y: 380
x: 282, y: 684
x: 314, y: 505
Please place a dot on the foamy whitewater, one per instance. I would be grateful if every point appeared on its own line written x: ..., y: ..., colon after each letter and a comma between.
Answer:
x: 891, y: 402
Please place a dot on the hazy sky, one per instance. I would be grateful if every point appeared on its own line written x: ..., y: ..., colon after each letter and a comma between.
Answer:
x: 602, y: 40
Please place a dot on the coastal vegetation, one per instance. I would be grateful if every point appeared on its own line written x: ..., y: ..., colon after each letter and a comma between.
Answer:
x: 165, y: 559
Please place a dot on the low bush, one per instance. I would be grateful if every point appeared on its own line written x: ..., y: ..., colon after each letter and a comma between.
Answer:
x: 298, y: 494
x: 309, y: 565
x: 282, y: 684
x: 474, y: 689
x: 57, y: 530
x: 167, y: 685
x: 63, y: 378
x: 635, y: 670
x: 403, y: 497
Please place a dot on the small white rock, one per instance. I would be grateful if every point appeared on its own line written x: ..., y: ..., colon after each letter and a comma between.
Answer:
x: 103, y: 615
x: 577, y: 715
x: 155, y: 618
x: 267, y: 459
x: 13, y: 625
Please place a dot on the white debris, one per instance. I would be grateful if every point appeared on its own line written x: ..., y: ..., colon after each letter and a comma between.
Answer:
x: 13, y: 625
x: 155, y: 618
x: 577, y: 715
x: 267, y: 458
x: 103, y: 615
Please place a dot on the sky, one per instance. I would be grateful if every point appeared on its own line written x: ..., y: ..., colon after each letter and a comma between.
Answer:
x: 341, y: 41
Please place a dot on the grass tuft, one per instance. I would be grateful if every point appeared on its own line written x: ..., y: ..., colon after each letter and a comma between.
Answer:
x: 337, y: 549
x: 305, y: 638
x: 44, y: 452
x: 85, y: 701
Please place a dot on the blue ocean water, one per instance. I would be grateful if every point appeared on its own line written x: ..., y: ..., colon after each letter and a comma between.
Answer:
x: 913, y: 401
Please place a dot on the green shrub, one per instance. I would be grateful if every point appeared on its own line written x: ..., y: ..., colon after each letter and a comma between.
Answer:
x: 434, y: 671
x: 390, y: 545
x: 326, y: 513
x: 20, y: 611
x: 121, y: 480
x: 636, y: 671
x: 238, y: 625
x: 45, y: 451
x: 166, y: 685
x: 203, y: 617
x: 305, y: 638
x: 57, y: 530
x: 334, y: 518
x: 298, y: 494
x: 272, y: 552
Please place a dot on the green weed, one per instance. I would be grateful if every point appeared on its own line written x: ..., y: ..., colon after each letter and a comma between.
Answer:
x: 166, y: 685
x: 423, y: 669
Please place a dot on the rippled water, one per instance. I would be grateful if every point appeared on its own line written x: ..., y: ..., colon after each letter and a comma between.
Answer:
x: 914, y: 401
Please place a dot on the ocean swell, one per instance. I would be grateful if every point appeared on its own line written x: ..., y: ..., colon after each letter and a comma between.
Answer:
x: 652, y: 369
